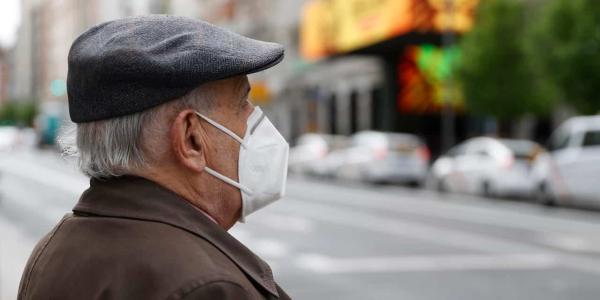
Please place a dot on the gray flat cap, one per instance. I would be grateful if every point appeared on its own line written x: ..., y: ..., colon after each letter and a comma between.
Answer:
x: 129, y: 65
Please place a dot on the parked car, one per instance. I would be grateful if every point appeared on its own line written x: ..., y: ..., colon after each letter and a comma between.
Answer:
x: 48, y: 121
x: 15, y: 139
x: 310, y: 151
x: 383, y: 157
x: 488, y: 166
x: 571, y: 168
x: 9, y: 138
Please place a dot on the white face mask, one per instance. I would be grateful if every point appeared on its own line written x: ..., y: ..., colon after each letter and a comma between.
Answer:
x: 263, y: 162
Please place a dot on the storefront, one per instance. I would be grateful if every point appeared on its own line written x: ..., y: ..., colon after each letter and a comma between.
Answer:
x: 342, y: 87
x: 385, y: 65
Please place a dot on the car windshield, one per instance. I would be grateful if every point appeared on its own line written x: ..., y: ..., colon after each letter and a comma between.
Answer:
x: 369, y: 139
x: 457, y: 150
x: 591, y: 138
x: 404, y: 142
x: 521, y: 149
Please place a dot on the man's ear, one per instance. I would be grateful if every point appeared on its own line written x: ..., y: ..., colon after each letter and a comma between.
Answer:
x: 188, y: 141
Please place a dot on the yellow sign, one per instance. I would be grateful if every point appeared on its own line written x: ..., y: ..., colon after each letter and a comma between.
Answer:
x: 260, y: 93
x: 315, y: 33
x: 459, y: 16
x: 365, y: 22
x: 337, y: 26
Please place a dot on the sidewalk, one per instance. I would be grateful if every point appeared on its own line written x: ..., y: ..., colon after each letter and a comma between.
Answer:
x: 36, y: 189
x: 15, y: 248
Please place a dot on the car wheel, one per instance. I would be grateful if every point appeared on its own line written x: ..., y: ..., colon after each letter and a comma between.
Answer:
x: 543, y: 195
x: 486, y: 189
x: 441, y: 186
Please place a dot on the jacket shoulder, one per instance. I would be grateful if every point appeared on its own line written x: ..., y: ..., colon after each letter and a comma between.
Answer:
x: 100, y: 255
x: 35, y: 256
x: 214, y: 289
x: 157, y: 248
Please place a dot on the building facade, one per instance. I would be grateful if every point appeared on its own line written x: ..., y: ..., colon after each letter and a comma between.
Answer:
x: 4, y: 75
x: 21, y: 55
x: 380, y: 65
x: 39, y: 57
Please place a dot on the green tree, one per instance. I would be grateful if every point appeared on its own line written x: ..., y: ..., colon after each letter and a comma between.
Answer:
x: 18, y: 113
x: 565, y: 42
x: 8, y: 114
x: 25, y: 113
x: 496, y: 75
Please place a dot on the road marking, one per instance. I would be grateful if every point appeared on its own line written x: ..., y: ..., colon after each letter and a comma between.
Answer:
x: 45, y: 175
x: 269, y: 248
x: 282, y: 222
x: 442, y: 236
x: 407, y: 229
x: 582, y: 236
x: 572, y: 243
x: 417, y: 204
x: 426, y: 263
x: 239, y: 233
x: 265, y: 247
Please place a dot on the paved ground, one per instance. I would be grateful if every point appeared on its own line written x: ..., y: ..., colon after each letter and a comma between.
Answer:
x: 331, y: 240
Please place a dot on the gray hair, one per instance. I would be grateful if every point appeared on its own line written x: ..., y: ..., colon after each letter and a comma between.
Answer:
x: 127, y: 144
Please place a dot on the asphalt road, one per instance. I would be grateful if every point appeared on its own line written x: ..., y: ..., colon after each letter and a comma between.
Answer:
x: 329, y: 240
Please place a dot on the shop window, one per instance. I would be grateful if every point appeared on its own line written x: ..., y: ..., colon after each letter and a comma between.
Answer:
x: 354, y: 112
x: 332, y: 114
x: 377, y: 107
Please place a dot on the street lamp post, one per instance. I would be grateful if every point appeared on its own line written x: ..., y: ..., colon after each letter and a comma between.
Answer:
x: 448, y: 117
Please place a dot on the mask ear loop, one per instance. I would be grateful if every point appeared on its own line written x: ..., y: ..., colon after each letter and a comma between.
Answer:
x: 228, y: 180
x: 223, y: 128
x: 217, y: 174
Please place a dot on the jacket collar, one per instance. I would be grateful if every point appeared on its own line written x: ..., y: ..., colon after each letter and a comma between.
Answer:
x: 138, y: 198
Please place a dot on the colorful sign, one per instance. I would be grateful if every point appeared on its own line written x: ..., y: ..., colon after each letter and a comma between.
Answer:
x: 316, y: 35
x: 453, y: 15
x: 260, y: 93
x: 364, y: 22
x: 427, y: 81
x: 58, y: 87
x: 338, y: 26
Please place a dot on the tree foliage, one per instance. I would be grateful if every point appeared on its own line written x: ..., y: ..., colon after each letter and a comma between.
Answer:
x: 496, y: 74
x: 565, y: 42
x: 17, y: 113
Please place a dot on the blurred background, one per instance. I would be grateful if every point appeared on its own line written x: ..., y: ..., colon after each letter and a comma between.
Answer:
x: 441, y: 149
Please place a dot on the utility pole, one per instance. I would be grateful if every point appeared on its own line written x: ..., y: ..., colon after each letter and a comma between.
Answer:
x: 447, y: 115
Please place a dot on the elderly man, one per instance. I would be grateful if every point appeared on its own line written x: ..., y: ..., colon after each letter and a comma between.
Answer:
x: 176, y: 155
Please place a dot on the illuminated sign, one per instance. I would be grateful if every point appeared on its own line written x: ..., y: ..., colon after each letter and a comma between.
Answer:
x: 260, y: 93
x: 337, y: 26
x: 425, y: 79
x: 58, y: 87
x: 364, y: 22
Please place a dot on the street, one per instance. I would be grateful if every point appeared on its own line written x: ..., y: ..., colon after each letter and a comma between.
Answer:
x: 332, y: 240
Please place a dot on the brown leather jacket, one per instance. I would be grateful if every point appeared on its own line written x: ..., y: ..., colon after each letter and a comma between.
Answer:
x: 129, y: 238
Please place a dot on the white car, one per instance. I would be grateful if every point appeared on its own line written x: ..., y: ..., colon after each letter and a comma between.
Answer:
x: 9, y: 138
x: 571, y: 168
x: 384, y: 157
x: 309, y: 147
x: 309, y: 154
x: 487, y: 166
